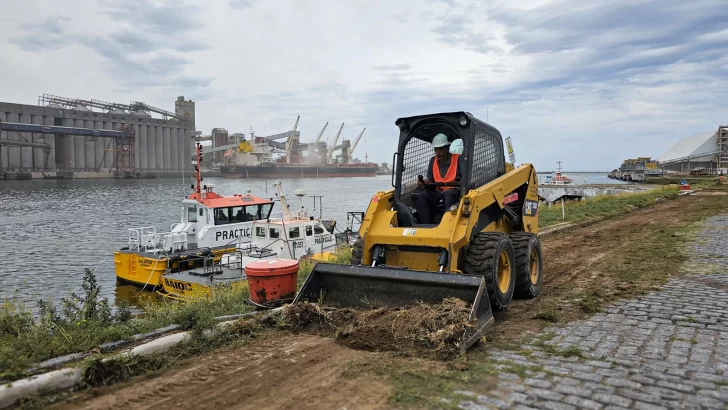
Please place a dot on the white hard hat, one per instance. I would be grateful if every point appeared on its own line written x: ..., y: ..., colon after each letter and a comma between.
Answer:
x: 457, y: 147
x: 440, y: 140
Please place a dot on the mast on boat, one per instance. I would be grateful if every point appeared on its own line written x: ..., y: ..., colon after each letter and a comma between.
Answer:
x: 198, y: 157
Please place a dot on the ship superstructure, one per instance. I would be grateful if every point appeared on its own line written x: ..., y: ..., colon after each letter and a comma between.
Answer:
x: 267, y: 157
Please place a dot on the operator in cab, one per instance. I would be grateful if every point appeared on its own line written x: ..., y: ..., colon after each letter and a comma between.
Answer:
x: 443, y: 167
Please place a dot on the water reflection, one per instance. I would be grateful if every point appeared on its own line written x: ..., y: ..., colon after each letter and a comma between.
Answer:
x: 138, y: 299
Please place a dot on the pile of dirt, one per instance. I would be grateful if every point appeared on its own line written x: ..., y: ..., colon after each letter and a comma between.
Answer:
x: 433, y: 331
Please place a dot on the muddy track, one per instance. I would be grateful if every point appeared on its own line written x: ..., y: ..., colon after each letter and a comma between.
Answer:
x: 288, y: 371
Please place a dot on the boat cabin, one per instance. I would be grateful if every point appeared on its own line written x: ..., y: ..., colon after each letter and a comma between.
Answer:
x: 210, y: 220
x: 214, y: 209
x: 292, y: 239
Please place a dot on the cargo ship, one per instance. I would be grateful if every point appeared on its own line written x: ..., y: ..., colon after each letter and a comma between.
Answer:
x: 283, y: 170
x: 264, y: 157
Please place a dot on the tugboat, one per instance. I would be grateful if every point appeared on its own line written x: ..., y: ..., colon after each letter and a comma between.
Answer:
x: 210, y: 225
x: 559, y: 178
x: 294, y: 237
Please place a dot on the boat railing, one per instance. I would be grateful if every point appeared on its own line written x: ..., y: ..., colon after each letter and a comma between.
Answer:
x: 174, y: 240
x: 142, y: 238
x: 147, y: 238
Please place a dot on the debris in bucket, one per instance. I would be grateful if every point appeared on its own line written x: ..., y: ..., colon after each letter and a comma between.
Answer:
x: 433, y: 331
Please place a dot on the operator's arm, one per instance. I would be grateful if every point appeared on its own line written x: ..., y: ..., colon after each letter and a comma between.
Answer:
x: 430, y: 179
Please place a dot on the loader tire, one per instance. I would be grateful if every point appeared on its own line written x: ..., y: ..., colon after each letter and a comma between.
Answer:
x: 529, y: 264
x: 357, y: 251
x: 491, y: 255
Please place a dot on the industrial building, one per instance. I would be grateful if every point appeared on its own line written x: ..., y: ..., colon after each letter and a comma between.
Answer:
x: 705, y: 153
x: 65, y: 139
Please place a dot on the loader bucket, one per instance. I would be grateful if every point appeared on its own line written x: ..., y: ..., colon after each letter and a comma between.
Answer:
x: 360, y: 286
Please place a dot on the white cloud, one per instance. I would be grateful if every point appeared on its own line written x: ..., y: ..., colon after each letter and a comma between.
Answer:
x: 589, y: 84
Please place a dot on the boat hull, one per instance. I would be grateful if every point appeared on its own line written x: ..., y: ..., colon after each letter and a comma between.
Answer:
x: 181, y: 289
x: 146, y: 271
x: 297, y: 171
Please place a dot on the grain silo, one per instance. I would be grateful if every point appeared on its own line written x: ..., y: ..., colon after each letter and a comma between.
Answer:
x: 162, y: 144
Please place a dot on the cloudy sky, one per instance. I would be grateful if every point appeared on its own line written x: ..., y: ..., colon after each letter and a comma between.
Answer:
x: 589, y: 83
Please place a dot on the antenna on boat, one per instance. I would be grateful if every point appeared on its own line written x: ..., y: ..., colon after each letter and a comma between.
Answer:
x: 197, y: 166
x: 284, y: 203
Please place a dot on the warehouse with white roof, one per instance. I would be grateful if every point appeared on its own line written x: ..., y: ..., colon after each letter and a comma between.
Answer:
x: 702, y: 153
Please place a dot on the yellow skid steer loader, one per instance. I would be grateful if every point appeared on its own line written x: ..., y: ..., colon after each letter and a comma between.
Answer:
x: 482, y: 249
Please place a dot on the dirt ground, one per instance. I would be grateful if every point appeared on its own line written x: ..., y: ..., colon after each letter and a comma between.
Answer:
x: 290, y: 371
x: 583, y: 261
x: 306, y: 371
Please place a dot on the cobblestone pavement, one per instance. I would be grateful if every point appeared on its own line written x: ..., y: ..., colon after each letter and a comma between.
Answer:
x: 668, y: 349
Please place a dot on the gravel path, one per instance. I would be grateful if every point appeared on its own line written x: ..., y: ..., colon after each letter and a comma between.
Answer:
x: 668, y: 349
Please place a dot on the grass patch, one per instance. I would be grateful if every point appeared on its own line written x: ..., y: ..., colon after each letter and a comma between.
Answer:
x: 83, y: 322
x: 648, y: 257
x: 423, y: 385
x: 571, y: 351
x: 100, y: 371
x: 592, y: 301
x: 37, y: 402
x: 547, y: 315
x: 602, y: 206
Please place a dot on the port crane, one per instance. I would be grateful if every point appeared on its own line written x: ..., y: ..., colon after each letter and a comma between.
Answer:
x: 318, y: 138
x: 332, y: 147
x: 292, y: 138
x: 351, y: 150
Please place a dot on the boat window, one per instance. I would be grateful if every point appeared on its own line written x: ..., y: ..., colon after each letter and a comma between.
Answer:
x: 264, y: 211
x: 317, y: 229
x: 202, y: 213
x: 238, y: 214
x: 260, y: 231
x: 275, y: 233
x: 294, y: 232
x: 222, y: 216
x: 309, y: 230
x: 192, y: 214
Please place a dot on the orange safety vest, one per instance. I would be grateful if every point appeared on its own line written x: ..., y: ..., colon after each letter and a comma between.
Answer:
x: 451, y: 172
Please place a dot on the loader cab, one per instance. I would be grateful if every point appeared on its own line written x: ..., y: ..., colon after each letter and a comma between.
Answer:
x: 482, y: 159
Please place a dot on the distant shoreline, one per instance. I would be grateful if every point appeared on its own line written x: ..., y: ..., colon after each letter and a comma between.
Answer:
x: 574, y: 172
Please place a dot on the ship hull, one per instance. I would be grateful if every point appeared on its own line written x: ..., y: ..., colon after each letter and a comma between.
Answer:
x: 297, y: 172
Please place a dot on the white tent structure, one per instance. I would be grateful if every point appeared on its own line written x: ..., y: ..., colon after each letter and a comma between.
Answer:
x: 697, y: 153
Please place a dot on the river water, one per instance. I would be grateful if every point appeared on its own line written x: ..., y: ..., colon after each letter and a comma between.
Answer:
x: 51, y: 230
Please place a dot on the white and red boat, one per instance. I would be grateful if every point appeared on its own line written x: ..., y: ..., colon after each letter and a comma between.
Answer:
x: 559, y: 178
